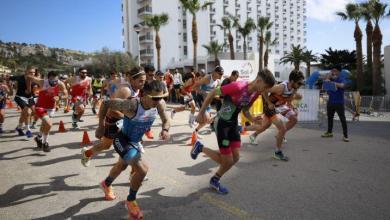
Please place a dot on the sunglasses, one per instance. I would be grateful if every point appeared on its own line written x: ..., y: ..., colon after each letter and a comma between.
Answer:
x: 156, y: 98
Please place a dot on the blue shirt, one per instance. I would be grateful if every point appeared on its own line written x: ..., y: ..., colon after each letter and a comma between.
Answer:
x: 337, y: 97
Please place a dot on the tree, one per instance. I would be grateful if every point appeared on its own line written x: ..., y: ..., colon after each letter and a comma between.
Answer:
x: 155, y: 22
x: 295, y: 57
x: 366, y: 12
x: 344, y: 58
x: 268, y: 42
x: 353, y: 12
x: 308, y: 57
x: 193, y: 6
x: 378, y: 12
x: 244, y: 30
x: 227, y: 26
x: 213, y: 49
x: 263, y: 24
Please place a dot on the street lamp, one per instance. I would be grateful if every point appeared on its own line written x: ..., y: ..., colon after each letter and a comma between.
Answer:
x: 137, y: 28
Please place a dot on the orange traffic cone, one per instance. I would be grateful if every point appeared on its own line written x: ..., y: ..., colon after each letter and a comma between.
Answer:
x: 86, y: 140
x: 61, y: 128
x: 10, y: 104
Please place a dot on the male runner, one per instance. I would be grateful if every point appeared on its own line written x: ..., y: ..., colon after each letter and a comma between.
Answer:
x: 24, y: 100
x: 108, y: 122
x: 140, y: 114
x: 97, y: 84
x: 50, y: 90
x: 81, y: 90
x: 277, y: 105
x: 237, y: 96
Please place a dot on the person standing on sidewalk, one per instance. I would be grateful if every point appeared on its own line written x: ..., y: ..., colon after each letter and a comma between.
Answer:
x: 336, y: 102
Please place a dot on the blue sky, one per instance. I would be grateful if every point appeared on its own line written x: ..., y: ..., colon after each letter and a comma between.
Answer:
x: 89, y: 25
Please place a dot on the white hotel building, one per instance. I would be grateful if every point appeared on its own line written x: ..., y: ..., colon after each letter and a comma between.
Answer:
x: 289, y: 27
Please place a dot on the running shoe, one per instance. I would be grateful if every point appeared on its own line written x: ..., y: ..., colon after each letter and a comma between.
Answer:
x: 46, y: 147
x: 20, y: 131
x: 108, y: 191
x: 134, y: 210
x: 345, y: 139
x: 327, y: 135
x: 85, y: 161
x: 75, y: 125
x: 149, y: 134
x: 38, y: 140
x: 280, y: 156
x: 191, y: 121
x: 252, y: 138
x: 29, y: 134
x: 196, y: 149
x: 218, y: 187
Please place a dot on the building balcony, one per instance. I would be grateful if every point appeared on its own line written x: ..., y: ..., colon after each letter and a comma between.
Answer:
x: 225, y: 2
x: 146, y: 53
x: 145, y: 39
x: 142, y: 1
x: 147, y: 10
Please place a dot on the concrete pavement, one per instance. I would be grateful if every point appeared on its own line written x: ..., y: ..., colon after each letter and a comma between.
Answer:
x: 325, y: 178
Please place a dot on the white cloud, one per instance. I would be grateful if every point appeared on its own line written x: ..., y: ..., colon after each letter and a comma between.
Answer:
x: 324, y: 10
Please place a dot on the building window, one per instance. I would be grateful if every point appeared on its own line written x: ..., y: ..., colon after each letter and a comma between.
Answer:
x: 277, y: 74
x: 184, y: 24
x: 185, y: 37
x: 185, y: 50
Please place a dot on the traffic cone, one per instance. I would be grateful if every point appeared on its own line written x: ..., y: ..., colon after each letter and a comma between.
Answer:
x: 10, y: 104
x: 86, y: 140
x: 61, y: 128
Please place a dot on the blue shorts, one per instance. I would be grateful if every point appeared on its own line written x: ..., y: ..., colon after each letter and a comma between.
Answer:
x: 128, y: 151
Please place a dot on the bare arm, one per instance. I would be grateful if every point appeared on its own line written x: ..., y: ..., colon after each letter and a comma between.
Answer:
x: 63, y: 89
x: 166, y: 123
x: 32, y: 79
x: 126, y: 106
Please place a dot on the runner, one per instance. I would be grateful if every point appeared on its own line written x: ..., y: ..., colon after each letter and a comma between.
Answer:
x: 97, y: 84
x: 110, y: 85
x: 186, y: 99
x: 237, y: 96
x: 50, y: 90
x: 81, y: 90
x: 207, y: 84
x: 4, y: 92
x: 107, y: 128
x: 150, y: 76
x: 140, y: 114
x: 24, y: 100
x: 277, y: 105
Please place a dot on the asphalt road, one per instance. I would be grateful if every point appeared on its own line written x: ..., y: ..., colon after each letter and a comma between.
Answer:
x: 324, y: 179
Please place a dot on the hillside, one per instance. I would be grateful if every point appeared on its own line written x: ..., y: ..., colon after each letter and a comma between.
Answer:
x: 17, y: 56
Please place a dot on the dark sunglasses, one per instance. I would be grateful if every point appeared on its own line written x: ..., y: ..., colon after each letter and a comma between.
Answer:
x: 156, y: 98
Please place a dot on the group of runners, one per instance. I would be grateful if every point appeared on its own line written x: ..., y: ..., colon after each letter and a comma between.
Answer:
x: 129, y: 105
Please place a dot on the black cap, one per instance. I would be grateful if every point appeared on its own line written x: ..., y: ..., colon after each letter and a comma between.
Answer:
x: 218, y: 69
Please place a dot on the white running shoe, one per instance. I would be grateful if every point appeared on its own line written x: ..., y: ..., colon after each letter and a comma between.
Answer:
x: 85, y: 161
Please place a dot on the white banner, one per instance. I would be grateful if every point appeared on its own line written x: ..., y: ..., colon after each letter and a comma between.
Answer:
x: 308, y: 107
x: 246, y: 68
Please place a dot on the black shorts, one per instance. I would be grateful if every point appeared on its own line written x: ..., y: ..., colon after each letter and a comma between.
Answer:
x: 176, y: 86
x: 110, y: 127
x: 227, y: 132
x: 126, y: 149
x: 24, y: 102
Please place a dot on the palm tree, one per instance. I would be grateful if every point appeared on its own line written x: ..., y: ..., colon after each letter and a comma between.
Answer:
x: 214, y: 48
x: 308, y: 57
x: 244, y: 30
x: 268, y: 42
x: 344, y: 58
x: 263, y: 24
x: 227, y: 26
x: 295, y: 56
x: 378, y: 11
x: 193, y: 6
x: 155, y: 22
x: 366, y: 12
x: 354, y: 12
